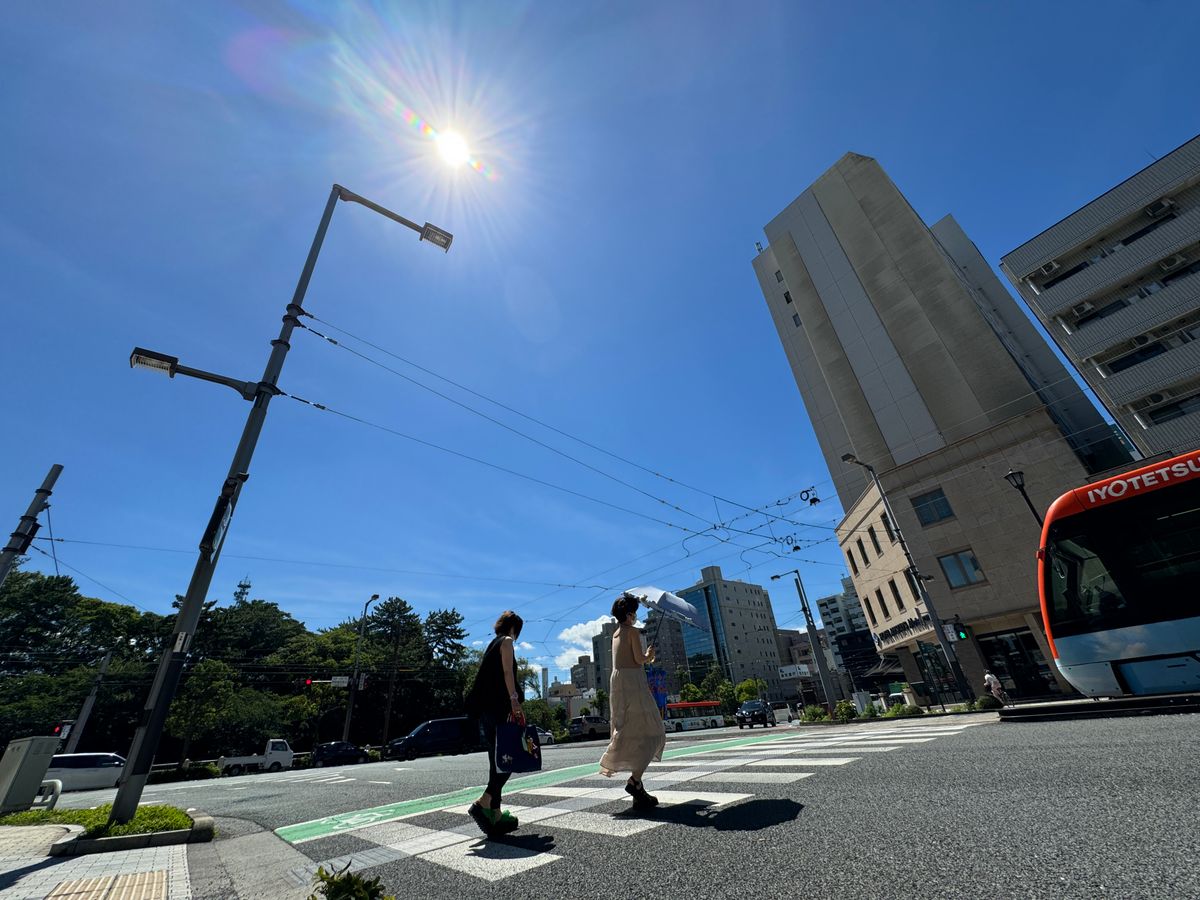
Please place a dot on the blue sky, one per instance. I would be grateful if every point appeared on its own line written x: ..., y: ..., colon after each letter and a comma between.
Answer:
x: 166, y: 166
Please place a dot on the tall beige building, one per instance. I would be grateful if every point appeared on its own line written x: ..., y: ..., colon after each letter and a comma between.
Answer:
x: 911, y: 355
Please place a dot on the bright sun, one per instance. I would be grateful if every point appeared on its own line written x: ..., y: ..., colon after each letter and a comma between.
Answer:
x: 453, y: 148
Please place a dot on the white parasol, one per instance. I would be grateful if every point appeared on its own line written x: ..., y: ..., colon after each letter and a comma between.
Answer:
x: 668, y: 605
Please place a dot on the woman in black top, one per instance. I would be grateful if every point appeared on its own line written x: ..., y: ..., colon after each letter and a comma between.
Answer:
x: 493, y: 698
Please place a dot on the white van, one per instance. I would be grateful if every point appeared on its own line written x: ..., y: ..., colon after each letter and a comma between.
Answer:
x: 86, y: 771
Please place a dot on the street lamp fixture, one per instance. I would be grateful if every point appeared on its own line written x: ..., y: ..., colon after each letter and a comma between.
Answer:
x: 148, y: 359
x: 437, y: 236
x: 1016, y: 478
x: 918, y: 579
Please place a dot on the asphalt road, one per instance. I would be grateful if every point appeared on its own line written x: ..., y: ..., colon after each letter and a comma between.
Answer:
x: 1056, y: 809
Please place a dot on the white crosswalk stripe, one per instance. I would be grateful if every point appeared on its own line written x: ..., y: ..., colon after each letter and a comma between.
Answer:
x: 572, y: 806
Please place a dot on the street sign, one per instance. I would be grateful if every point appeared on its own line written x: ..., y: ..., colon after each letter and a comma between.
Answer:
x: 796, y: 671
x: 951, y: 631
x: 340, y: 681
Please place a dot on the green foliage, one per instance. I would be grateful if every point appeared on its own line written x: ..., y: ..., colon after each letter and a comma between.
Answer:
x: 196, y: 772
x: 987, y: 701
x: 347, y: 885
x: 845, y: 711
x: 969, y: 706
x: 540, y: 713
x: 871, y: 712
x: 814, y: 713
x: 602, y: 702
x: 585, y: 711
x: 750, y: 689
x: 147, y: 819
x: 901, y: 711
x: 691, y: 693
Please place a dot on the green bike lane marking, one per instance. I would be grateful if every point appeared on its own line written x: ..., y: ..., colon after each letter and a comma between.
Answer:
x: 375, y: 815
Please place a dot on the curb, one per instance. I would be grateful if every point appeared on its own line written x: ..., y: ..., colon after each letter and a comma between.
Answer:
x: 75, y: 844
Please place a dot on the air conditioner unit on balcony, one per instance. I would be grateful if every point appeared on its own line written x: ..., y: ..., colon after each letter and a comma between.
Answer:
x: 1159, y: 207
x: 1083, y: 309
x: 1050, y: 268
x: 1172, y: 262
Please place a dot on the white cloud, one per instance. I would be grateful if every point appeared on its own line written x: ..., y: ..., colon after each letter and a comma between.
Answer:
x: 477, y: 643
x: 524, y: 645
x: 578, y: 640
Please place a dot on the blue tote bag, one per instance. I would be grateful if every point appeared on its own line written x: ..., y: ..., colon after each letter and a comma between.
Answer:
x: 517, y: 748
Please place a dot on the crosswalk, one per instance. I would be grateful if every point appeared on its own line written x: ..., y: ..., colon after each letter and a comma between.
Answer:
x: 435, y: 835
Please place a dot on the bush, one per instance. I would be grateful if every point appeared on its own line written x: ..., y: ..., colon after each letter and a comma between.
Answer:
x: 900, y: 711
x: 375, y: 756
x: 871, y: 712
x: 147, y: 820
x: 987, y: 701
x: 195, y: 772
x: 346, y: 885
x: 969, y: 706
x: 845, y: 711
x: 815, y: 713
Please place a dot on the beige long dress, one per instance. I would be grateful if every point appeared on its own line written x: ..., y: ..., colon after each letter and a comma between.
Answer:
x: 638, y: 736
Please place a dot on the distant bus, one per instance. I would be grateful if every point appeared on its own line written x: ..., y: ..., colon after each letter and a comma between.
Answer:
x: 692, y: 716
x: 1118, y: 572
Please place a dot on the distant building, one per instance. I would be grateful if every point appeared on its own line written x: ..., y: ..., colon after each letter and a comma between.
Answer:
x: 1117, y: 286
x: 795, y: 649
x: 741, y: 642
x: 670, y: 655
x: 545, y: 683
x: 583, y: 674
x: 842, y: 614
x: 602, y: 654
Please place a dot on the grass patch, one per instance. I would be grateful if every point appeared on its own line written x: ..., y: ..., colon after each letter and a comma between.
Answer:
x: 95, y: 821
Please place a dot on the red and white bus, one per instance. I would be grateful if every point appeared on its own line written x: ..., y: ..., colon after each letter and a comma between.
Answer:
x: 691, y: 716
x: 1119, y: 575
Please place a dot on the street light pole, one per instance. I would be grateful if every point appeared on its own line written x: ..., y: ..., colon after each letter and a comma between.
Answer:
x: 170, y: 668
x: 915, y: 574
x: 362, y: 627
x: 19, y: 540
x: 1017, y: 480
x: 813, y: 638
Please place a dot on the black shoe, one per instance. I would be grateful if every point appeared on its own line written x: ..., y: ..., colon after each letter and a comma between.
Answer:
x: 641, y: 800
x: 481, y: 819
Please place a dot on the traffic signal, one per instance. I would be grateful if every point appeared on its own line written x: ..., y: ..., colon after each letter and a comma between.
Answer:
x: 308, y: 682
x: 960, y: 630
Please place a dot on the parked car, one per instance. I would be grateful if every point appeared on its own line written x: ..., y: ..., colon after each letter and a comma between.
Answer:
x: 784, y: 710
x: 545, y: 738
x: 754, y: 712
x: 588, y: 726
x: 452, y: 736
x: 276, y: 755
x: 338, y: 753
x: 85, y: 771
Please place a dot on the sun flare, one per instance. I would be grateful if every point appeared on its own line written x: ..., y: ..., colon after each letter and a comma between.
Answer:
x: 453, y: 148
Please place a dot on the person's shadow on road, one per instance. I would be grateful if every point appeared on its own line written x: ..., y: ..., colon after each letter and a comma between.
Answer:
x: 753, y: 816
x: 530, y: 843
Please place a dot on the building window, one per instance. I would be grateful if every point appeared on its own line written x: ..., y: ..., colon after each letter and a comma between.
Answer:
x: 887, y: 526
x: 853, y: 564
x: 787, y: 296
x: 961, y: 569
x: 883, y: 607
x: 912, y: 585
x: 778, y: 276
x: 870, y: 610
x: 896, y: 595
x: 796, y: 319
x: 875, y: 540
x: 932, y: 507
x: 862, y: 552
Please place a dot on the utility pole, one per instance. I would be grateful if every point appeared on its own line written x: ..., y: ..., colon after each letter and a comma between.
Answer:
x: 813, y: 638
x: 915, y: 574
x: 81, y: 722
x: 362, y: 627
x: 19, y: 540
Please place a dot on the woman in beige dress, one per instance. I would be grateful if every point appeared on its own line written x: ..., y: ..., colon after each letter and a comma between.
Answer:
x: 637, y: 727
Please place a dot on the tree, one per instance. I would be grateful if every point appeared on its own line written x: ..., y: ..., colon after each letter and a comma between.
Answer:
x: 202, y: 705
x: 585, y: 711
x: 602, y: 702
x: 727, y: 697
x: 445, y: 635
x: 395, y: 621
x: 751, y: 689
x: 539, y: 712
x: 690, y: 693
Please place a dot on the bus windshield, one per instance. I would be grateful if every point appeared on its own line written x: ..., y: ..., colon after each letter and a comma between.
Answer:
x: 1129, y: 563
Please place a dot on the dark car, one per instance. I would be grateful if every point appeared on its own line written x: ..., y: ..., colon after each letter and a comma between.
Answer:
x: 458, y: 735
x: 588, y: 727
x: 338, y: 753
x: 755, y: 712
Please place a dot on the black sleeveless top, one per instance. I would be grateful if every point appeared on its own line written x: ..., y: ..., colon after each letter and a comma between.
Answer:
x: 488, y: 696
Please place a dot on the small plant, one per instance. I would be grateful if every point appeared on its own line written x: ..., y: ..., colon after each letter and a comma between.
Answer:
x: 845, y: 711
x: 969, y: 706
x: 194, y: 772
x: 987, y: 701
x: 375, y: 756
x: 346, y: 885
x: 814, y: 713
x: 901, y: 711
x: 870, y: 712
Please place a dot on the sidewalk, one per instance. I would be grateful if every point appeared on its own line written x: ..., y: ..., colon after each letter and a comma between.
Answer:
x: 27, y: 872
x: 245, y: 862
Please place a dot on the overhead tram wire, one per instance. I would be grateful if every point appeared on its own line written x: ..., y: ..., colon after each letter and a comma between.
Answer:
x: 504, y: 425
x: 523, y: 415
x: 93, y: 580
